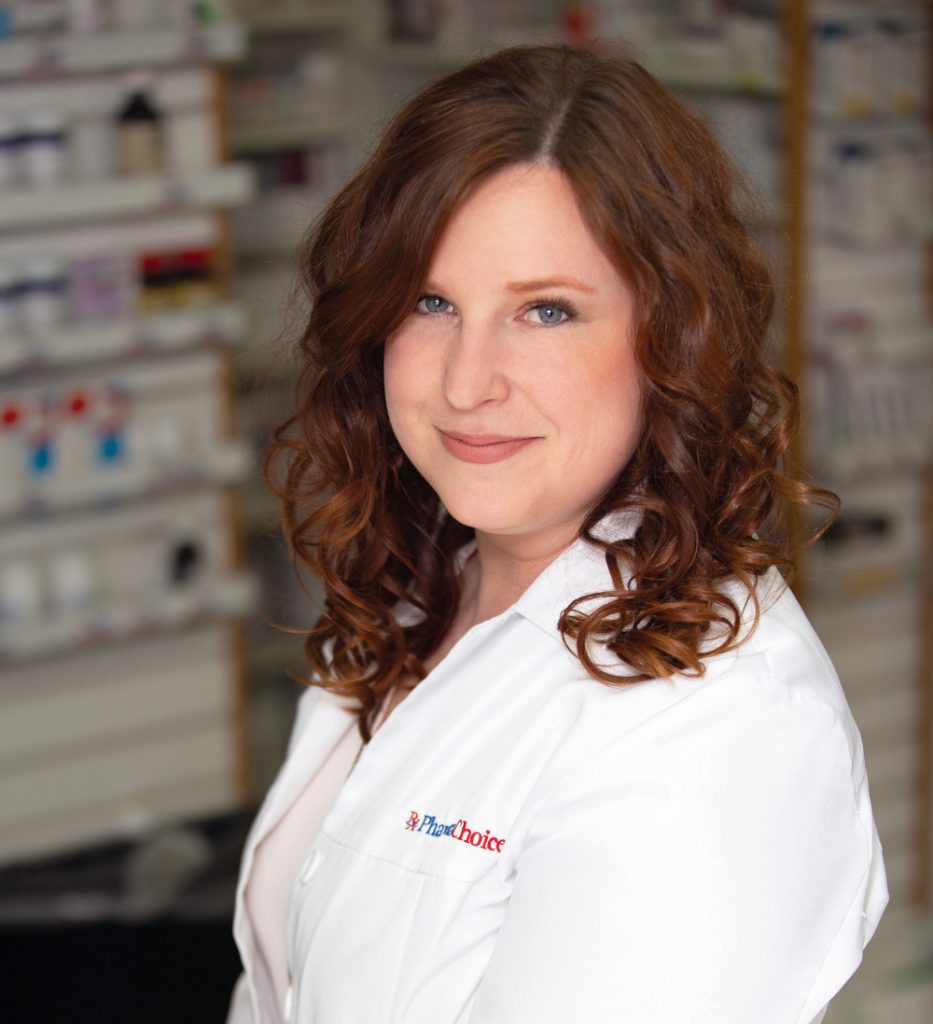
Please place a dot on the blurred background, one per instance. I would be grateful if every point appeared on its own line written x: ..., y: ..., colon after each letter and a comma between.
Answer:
x: 159, y: 165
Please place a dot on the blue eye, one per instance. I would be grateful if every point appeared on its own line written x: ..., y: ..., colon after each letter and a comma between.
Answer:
x: 550, y: 314
x: 432, y: 304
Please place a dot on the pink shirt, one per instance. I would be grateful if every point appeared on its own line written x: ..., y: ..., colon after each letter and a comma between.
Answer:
x: 280, y: 853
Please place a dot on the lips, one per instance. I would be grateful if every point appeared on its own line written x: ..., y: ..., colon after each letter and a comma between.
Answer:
x: 483, y: 448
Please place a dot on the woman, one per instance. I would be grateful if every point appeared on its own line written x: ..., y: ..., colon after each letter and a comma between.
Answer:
x: 600, y: 767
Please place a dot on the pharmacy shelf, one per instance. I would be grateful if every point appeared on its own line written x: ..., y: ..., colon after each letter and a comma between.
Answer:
x: 765, y: 211
x: 680, y: 66
x: 272, y: 656
x: 73, y: 53
x: 228, y: 463
x: 687, y: 70
x: 231, y: 595
x: 251, y: 257
x: 167, y: 331
x: 304, y: 21
x: 165, y: 431
x: 223, y: 186
x: 427, y: 58
x: 276, y: 223
x: 262, y: 510
x: 279, y: 133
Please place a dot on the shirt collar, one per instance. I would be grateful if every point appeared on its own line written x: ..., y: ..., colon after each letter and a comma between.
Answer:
x: 578, y: 570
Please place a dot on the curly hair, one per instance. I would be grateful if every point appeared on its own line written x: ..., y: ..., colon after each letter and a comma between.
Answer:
x: 706, y: 479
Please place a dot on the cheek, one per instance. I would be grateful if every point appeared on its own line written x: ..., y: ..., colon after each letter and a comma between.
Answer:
x: 397, y: 377
x: 597, y: 397
x: 408, y: 381
x: 602, y: 414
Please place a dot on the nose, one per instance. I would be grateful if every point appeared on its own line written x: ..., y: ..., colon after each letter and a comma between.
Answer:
x: 474, y: 371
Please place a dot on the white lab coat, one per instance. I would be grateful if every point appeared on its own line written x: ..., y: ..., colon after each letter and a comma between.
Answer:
x: 694, y: 851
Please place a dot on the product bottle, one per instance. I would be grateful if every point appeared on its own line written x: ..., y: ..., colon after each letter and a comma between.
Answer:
x: 9, y: 140
x: 139, y: 140
x: 197, y: 277
x: 158, y: 283
x: 9, y: 302
x: 87, y: 15
x: 43, y: 296
x: 21, y: 591
x: 12, y: 455
x: 43, y: 149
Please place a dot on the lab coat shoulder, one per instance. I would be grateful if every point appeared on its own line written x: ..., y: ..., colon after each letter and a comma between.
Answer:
x: 779, y: 659
x: 707, y: 853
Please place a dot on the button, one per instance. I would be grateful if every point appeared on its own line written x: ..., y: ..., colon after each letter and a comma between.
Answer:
x: 310, y: 866
x: 287, y: 1008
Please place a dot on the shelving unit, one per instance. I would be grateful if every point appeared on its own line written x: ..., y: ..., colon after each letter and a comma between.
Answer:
x: 40, y: 208
x: 44, y: 55
x: 295, y: 119
x: 677, y: 63
x: 123, y: 589
x: 278, y: 135
x: 304, y: 19
x: 860, y: 346
x: 129, y: 337
x: 867, y: 365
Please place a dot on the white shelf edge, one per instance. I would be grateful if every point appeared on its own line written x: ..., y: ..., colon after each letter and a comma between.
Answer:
x: 77, y: 53
x: 224, y: 186
x: 675, y: 66
x: 167, y: 331
x: 262, y: 136
x: 408, y: 56
x: 679, y: 72
x: 261, y: 22
x: 231, y: 595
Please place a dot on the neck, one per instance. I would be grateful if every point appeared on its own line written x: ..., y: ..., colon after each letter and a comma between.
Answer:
x: 503, y: 568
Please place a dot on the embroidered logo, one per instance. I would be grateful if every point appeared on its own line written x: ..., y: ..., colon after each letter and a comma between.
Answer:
x: 458, y: 830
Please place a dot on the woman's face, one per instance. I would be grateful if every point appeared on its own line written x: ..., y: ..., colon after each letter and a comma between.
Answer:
x: 512, y: 386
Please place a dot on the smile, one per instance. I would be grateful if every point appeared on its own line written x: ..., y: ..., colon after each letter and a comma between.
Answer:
x: 483, y: 448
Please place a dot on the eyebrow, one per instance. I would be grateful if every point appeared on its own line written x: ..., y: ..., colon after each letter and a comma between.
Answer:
x: 536, y: 285
x: 549, y: 282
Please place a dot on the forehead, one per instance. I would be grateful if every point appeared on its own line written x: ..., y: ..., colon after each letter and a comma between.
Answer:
x: 523, y: 219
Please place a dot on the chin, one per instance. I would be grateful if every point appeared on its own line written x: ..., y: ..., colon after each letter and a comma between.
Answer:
x: 498, y: 521
x: 482, y: 515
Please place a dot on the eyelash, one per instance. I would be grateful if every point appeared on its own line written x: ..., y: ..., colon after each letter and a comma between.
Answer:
x: 564, y: 305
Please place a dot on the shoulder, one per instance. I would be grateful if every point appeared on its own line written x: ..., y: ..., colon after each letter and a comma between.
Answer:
x: 748, y: 760
x: 774, y: 700
x: 720, y: 825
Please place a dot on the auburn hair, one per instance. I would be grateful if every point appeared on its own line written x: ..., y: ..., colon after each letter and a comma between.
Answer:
x: 657, y: 193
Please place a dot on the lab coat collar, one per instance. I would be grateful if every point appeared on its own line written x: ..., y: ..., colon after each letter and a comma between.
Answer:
x: 579, y: 570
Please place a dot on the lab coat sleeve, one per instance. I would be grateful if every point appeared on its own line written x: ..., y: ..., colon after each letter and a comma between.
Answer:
x: 714, y: 868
